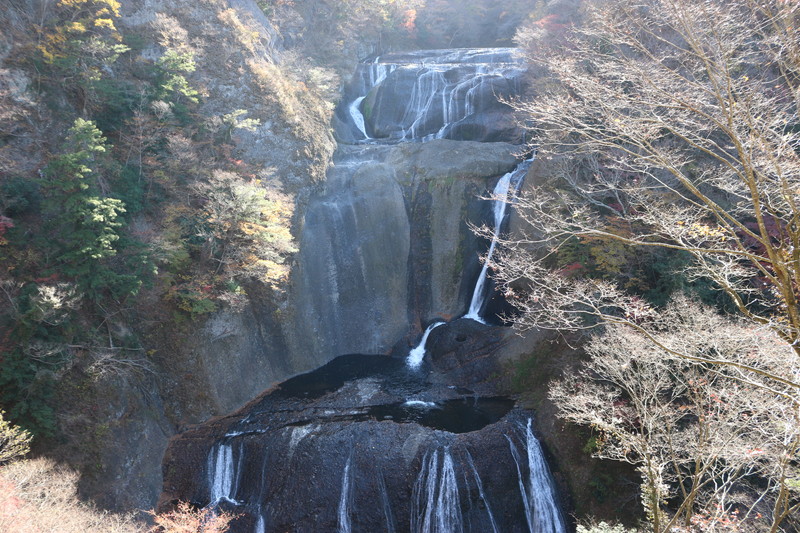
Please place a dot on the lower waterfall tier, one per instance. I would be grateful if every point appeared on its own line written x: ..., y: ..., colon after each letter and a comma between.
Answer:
x: 366, y: 443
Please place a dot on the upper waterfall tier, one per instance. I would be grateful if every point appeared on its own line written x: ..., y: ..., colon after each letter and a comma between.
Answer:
x: 433, y: 94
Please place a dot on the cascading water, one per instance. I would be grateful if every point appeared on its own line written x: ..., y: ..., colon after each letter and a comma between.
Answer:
x: 479, y: 484
x: 509, y: 182
x: 345, y: 500
x: 427, y: 95
x: 538, y: 496
x: 436, y: 506
x: 278, y: 466
x: 221, y: 473
x: 417, y: 354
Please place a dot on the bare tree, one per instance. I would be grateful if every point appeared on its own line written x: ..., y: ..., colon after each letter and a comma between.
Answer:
x: 696, y: 435
x: 679, y: 122
x: 673, y: 124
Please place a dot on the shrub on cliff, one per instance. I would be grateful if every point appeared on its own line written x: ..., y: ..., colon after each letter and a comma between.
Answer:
x: 187, y: 519
x: 14, y: 441
x: 87, y: 222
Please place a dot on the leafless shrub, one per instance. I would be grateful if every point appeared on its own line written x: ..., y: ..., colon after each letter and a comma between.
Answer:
x: 673, y: 124
x: 39, y: 496
x: 681, y: 115
x: 187, y: 519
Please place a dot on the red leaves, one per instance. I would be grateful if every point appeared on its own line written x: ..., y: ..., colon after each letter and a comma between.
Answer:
x: 572, y: 269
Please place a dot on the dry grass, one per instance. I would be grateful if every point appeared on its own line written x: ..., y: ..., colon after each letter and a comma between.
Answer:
x: 39, y: 496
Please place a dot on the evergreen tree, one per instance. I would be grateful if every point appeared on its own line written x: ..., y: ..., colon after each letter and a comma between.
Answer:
x: 87, y: 222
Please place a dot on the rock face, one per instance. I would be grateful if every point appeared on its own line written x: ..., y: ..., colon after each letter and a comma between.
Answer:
x: 387, y: 244
x: 236, y: 50
x: 366, y: 444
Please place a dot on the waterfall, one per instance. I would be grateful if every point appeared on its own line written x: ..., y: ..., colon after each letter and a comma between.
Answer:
x: 345, y: 500
x: 357, y: 116
x: 500, y: 195
x: 387, y: 507
x: 436, y: 507
x: 538, y: 495
x: 436, y: 91
x: 417, y: 354
x: 222, y: 473
x: 375, y: 74
x: 400, y: 97
x: 479, y: 484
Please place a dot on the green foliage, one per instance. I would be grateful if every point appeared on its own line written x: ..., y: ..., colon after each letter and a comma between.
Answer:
x: 115, y: 100
x: 194, y: 302
x: 171, y: 84
x: 87, y: 222
x: 26, y: 388
x: 130, y: 188
x: 77, y: 45
x: 14, y: 441
x: 39, y: 324
x: 19, y: 196
x: 592, y: 444
x: 235, y: 120
x: 601, y: 485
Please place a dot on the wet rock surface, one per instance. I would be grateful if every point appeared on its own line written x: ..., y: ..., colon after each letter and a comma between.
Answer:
x: 387, y: 244
x: 367, y: 440
x: 444, y: 94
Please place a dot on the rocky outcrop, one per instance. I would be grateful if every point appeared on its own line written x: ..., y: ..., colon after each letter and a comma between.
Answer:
x: 388, y: 244
x: 364, y: 441
x: 238, y: 53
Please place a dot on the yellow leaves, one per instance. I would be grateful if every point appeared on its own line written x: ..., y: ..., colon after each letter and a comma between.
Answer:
x: 704, y: 231
x: 250, y: 229
x: 105, y: 23
x: 77, y: 21
x: 75, y: 27
x: 112, y: 7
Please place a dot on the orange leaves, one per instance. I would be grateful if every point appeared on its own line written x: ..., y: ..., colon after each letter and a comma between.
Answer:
x: 187, y: 519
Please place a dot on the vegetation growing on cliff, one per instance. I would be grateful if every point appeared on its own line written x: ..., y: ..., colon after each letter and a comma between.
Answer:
x: 672, y: 125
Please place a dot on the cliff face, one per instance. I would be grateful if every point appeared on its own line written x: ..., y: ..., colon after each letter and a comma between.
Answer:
x: 386, y: 245
x: 240, y: 65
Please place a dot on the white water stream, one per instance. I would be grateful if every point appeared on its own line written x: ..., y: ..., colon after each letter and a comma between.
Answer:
x: 436, y: 507
x: 538, y: 495
x: 510, y: 182
x: 417, y: 354
x: 345, y: 501
x: 479, y: 484
x: 449, y: 86
x: 222, y: 473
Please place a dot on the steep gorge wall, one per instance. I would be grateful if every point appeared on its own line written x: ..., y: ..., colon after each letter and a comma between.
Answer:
x: 386, y: 245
